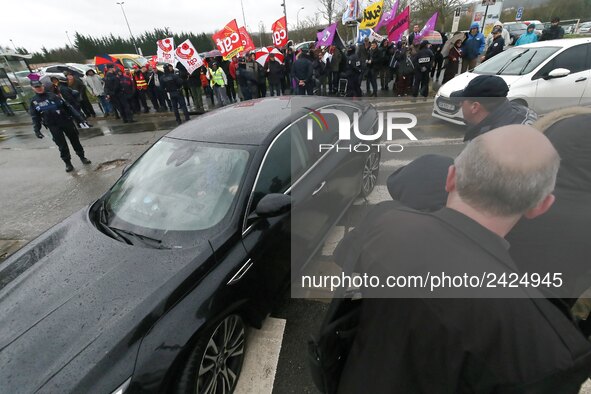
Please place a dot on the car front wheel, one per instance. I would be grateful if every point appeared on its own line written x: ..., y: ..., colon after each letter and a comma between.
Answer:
x: 216, y: 359
x: 371, y: 169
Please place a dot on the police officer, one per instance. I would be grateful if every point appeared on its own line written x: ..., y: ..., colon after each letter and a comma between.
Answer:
x: 114, y: 93
x: 55, y: 114
x: 171, y: 84
x: 422, y: 62
x: 353, y: 73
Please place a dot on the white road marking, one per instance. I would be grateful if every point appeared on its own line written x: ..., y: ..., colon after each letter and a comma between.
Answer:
x: 262, y: 355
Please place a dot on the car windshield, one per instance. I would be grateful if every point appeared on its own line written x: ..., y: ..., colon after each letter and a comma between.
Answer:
x: 142, y: 61
x: 516, y: 61
x: 177, y: 185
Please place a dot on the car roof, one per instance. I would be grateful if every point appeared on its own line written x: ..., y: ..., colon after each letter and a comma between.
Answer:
x: 564, y: 43
x: 251, y: 122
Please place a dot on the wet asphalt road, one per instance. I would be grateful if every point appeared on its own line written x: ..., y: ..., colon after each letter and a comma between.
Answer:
x: 36, y: 193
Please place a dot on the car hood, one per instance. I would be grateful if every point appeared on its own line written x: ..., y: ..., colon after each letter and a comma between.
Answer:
x: 460, y: 82
x: 74, y: 292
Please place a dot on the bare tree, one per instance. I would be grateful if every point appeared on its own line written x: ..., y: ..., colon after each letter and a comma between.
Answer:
x: 423, y: 9
x: 329, y: 9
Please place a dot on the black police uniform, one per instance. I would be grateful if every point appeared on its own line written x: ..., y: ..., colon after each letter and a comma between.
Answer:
x: 117, y: 97
x: 171, y: 84
x: 422, y: 62
x: 55, y: 114
x: 354, y: 70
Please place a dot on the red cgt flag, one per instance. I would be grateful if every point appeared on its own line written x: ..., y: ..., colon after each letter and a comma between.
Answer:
x: 280, y: 32
x: 228, y: 40
x: 246, y: 40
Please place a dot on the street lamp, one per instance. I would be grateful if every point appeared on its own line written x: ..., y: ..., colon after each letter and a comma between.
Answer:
x: 130, y: 33
x: 70, y: 41
x: 14, y: 46
x: 298, y: 18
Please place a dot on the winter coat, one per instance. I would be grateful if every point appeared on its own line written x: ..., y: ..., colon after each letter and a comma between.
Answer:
x: 473, y: 46
x: 506, y: 114
x: 302, y: 69
x: 495, y: 48
x: 274, y: 72
x: 527, y: 38
x: 536, y: 245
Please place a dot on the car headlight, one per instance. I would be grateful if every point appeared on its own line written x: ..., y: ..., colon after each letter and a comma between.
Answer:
x: 121, y: 389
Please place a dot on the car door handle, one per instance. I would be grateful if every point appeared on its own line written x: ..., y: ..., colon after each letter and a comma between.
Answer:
x: 581, y: 79
x: 240, y: 273
x: 315, y: 192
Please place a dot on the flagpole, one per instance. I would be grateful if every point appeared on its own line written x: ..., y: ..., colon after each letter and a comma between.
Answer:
x: 243, y: 17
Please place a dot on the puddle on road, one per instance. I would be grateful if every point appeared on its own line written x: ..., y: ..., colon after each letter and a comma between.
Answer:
x: 112, y: 164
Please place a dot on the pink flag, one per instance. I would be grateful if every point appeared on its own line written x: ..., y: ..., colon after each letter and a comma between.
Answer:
x: 387, y: 17
x: 428, y: 28
x: 399, y: 25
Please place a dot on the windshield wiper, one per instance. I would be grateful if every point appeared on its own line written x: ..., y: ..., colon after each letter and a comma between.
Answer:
x: 141, y: 237
x: 528, y: 62
x: 103, y: 221
x: 511, y: 61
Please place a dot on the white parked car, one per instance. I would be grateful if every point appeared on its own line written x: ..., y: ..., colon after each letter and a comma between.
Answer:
x: 545, y: 76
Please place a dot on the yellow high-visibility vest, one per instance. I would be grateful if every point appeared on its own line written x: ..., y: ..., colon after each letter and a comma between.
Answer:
x: 217, y: 77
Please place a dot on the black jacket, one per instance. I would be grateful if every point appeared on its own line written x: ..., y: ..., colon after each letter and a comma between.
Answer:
x: 51, y: 111
x: 302, y: 69
x: 171, y: 82
x: 495, y: 48
x: 354, y: 66
x: 558, y: 241
x: 454, y: 345
x: 376, y: 57
x: 244, y: 76
x: 552, y: 33
x: 112, y: 85
x: 506, y: 114
x: 274, y: 72
x: 423, y: 60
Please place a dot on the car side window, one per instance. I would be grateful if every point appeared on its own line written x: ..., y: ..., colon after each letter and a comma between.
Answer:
x: 128, y: 63
x: 286, y: 161
x: 573, y: 59
x: 52, y: 70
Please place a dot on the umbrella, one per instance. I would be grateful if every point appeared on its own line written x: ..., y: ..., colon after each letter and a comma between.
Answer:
x: 434, y: 37
x: 214, y: 53
x: 449, y: 43
x: 102, y: 60
x: 262, y: 55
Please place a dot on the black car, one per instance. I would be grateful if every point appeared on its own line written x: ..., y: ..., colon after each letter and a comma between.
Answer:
x: 151, y: 287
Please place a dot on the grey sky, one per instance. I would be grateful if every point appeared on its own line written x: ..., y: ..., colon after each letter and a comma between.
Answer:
x: 37, y: 23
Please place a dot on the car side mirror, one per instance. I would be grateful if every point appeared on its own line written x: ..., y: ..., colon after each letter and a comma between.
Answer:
x: 558, y: 73
x: 125, y: 169
x: 273, y: 205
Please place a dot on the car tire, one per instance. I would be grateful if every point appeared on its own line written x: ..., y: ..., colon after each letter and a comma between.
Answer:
x: 369, y: 176
x: 215, y: 361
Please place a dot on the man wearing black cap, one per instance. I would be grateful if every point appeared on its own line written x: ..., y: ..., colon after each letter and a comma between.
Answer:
x: 497, y: 44
x: 485, y: 106
x: 50, y: 110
